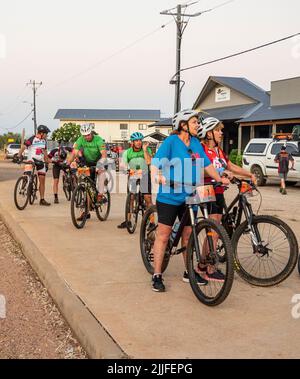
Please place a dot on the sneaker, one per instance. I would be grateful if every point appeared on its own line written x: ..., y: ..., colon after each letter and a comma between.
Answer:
x: 284, y: 191
x: 44, y: 203
x: 123, y: 225
x: 80, y: 218
x: 201, y: 281
x: 157, y: 283
x: 56, y: 200
x: 216, y: 276
x: 280, y: 190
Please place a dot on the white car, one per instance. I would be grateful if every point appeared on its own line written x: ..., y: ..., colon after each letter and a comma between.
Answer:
x: 259, y: 156
x: 12, y: 150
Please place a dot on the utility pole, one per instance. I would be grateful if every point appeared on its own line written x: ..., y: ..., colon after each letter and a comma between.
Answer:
x: 35, y: 86
x: 181, y: 25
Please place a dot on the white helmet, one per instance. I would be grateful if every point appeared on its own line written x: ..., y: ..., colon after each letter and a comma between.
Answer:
x: 185, y: 115
x: 207, y: 125
x: 86, y: 129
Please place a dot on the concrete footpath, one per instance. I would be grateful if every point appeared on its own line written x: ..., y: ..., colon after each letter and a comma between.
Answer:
x: 97, y: 278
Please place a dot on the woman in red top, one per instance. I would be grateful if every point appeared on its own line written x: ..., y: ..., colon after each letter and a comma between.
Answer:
x: 210, y: 133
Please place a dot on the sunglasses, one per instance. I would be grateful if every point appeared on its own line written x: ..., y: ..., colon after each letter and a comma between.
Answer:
x: 192, y: 155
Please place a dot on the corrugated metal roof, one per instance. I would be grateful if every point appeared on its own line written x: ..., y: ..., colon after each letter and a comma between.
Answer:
x: 241, y: 85
x: 280, y: 112
x: 108, y: 114
x: 244, y: 86
x: 230, y: 113
x: 167, y: 122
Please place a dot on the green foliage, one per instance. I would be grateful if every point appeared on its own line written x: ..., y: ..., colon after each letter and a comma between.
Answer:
x: 4, y: 139
x: 236, y: 158
x: 69, y: 132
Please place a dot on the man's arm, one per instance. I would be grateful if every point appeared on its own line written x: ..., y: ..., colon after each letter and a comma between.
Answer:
x: 147, y: 154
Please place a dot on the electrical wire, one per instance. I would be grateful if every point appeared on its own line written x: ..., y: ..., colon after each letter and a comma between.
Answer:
x: 104, y: 60
x: 19, y: 123
x: 236, y: 54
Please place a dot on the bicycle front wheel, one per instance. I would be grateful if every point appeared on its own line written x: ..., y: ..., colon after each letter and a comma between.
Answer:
x: 131, y: 212
x: 33, y: 190
x: 79, y: 206
x: 147, y: 238
x: 21, y: 197
x: 103, y: 209
x: 219, y: 285
x: 268, y: 256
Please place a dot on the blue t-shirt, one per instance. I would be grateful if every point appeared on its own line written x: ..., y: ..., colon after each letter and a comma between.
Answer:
x: 181, y: 164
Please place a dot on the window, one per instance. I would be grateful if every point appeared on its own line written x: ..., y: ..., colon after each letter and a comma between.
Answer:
x: 123, y: 126
x: 256, y: 148
x: 142, y: 126
x: 290, y: 148
x: 15, y: 146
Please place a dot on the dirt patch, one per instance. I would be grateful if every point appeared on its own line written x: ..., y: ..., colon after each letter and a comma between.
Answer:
x: 33, y: 327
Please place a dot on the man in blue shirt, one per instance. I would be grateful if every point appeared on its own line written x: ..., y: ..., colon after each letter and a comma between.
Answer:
x: 181, y: 159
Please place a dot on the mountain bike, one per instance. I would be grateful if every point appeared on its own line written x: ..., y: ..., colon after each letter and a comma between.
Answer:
x: 69, y: 180
x: 135, y: 202
x: 207, y: 243
x: 85, y: 198
x: 26, y: 186
x: 265, y: 248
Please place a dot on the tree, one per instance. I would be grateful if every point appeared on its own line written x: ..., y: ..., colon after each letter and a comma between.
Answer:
x: 7, y: 136
x: 69, y: 132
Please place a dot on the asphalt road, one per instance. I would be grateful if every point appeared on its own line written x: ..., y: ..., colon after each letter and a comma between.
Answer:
x: 9, y: 171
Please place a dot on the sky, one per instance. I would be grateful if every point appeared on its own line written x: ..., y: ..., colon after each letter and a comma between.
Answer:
x: 93, y: 54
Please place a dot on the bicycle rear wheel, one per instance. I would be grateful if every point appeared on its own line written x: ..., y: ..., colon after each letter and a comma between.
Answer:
x: 131, y: 212
x: 103, y: 209
x: 79, y: 206
x: 215, y: 291
x: 270, y: 262
x: 147, y: 238
x: 21, y: 197
x: 67, y: 187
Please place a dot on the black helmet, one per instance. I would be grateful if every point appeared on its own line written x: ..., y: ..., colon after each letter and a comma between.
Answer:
x: 43, y: 129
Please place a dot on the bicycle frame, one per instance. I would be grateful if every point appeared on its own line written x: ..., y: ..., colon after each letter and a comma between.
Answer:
x: 244, y: 207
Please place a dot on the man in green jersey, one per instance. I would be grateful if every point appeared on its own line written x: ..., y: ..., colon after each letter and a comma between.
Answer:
x: 92, y: 149
x: 138, y: 158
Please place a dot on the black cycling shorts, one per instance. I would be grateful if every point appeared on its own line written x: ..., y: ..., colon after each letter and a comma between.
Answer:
x: 56, y: 171
x: 167, y: 213
x: 217, y: 206
x: 145, y: 184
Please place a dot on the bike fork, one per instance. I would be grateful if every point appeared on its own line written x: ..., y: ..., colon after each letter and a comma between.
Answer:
x: 193, y: 223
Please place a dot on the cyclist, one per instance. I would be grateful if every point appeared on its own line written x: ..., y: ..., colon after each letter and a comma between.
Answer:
x: 58, y: 157
x: 210, y: 133
x: 182, y: 158
x: 91, y: 148
x: 37, y: 149
x: 138, y: 157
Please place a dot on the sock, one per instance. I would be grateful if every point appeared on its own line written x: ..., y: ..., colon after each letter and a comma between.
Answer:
x: 157, y: 274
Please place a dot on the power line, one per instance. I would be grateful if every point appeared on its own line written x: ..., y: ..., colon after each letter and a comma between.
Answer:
x: 237, y: 54
x: 14, y: 104
x: 19, y: 123
x: 104, y: 60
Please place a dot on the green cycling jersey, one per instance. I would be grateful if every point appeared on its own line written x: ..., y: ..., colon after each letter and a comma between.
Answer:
x: 136, y: 159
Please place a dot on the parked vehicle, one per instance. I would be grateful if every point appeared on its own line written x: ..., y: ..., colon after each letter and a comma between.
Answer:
x: 259, y: 158
x: 12, y: 150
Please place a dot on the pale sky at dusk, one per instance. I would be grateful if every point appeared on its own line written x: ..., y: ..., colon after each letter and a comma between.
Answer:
x: 52, y: 41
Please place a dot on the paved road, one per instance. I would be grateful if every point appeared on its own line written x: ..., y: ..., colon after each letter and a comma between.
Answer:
x: 103, y: 267
x: 9, y: 171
